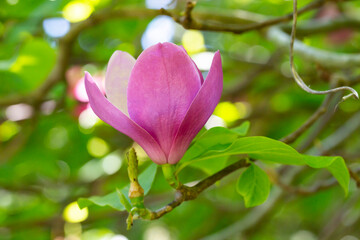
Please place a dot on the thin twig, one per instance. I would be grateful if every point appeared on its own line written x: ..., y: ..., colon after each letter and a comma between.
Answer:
x: 310, y: 27
x: 355, y: 177
x: 296, y: 76
x: 313, y: 118
x: 298, y: 132
x: 185, y: 193
x: 317, y: 187
x: 322, y: 123
x: 339, y: 136
x: 199, y: 24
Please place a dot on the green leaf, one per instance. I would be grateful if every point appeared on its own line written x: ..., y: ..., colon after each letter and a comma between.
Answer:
x: 124, y: 201
x: 34, y: 63
x: 262, y: 148
x: 243, y: 129
x: 254, y: 186
x: 146, y: 178
x: 340, y: 171
x: 217, y: 138
x: 211, y: 165
x: 111, y: 200
x: 336, y: 165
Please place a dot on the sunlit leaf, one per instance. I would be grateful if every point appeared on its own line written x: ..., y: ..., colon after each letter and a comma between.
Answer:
x: 262, y: 148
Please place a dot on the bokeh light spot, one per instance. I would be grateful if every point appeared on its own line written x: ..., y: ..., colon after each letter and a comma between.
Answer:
x: 203, y: 60
x: 193, y: 41
x: 157, y: 232
x: 7, y: 130
x: 91, y: 171
x: 257, y: 54
x: 73, y: 214
x: 12, y: 2
x: 285, y: 69
x: 215, y: 121
x: 97, y: 147
x: 19, y: 112
x: 23, y: 61
x: 56, y: 27
x: 227, y: 111
x: 76, y: 11
x: 111, y: 163
x: 6, y: 198
x: 157, y: 4
x: 57, y: 138
x: 80, y: 91
x: 243, y: 109
x: 160, y: 29
x: 88, y: 118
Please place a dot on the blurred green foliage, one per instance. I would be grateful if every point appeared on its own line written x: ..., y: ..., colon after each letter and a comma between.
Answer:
x: 54, y: 152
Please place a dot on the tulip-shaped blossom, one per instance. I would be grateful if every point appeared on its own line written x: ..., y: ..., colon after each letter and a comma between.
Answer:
x: 160, y: 100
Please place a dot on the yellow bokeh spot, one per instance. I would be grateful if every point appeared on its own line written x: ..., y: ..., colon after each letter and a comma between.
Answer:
x: 72, y: 213
x: 94, y: 2
x: 243, y: 109
x: 97, y: 147
x: 193, y: 41
x: 21, y: 62
x: 228, y: 112
x: 7, y: 130
x: 76, y: 11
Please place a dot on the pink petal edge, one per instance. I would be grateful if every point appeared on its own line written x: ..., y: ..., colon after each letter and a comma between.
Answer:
x: 200, y: 110
x: 114, y: 117
x: 117, y: 77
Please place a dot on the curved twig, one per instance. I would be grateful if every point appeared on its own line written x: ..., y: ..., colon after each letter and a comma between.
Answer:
x: 296, y: 76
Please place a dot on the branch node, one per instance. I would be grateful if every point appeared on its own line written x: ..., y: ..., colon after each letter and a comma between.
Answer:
x: 187, y: 19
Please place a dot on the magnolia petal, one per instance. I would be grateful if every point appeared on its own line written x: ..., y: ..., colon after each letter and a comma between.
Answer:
x: 117, y: 77
x: 162, y: 85
x: 113, y: 116
x: 200, y: 110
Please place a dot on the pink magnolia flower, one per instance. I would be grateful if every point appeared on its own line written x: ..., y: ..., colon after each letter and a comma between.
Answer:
x: 159, y: 100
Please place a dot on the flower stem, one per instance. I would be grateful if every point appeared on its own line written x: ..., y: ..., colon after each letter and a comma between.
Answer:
x: 136, y: 192
x: 170, y: 176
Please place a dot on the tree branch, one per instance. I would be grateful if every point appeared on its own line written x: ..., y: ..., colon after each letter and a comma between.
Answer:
x: 185, y: 193
x: 191, y: 20
x: 323, y: 57
x: 309, y: 122
x: 342, y: 133
x: 355, y: 177
x: 257, y: 24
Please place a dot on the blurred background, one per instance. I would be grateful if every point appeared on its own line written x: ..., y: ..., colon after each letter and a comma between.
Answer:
x: 54, y: 149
